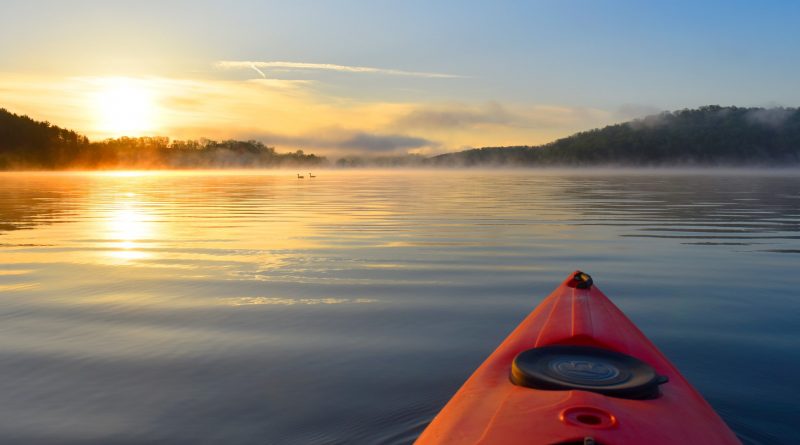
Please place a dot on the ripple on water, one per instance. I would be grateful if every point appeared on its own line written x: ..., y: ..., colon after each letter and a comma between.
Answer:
x: 247, y: 307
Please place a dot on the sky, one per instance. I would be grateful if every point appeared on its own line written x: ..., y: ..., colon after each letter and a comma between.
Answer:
x: 388, y: 77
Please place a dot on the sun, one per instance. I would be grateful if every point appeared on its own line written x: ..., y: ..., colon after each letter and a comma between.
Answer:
x: 124, y: 107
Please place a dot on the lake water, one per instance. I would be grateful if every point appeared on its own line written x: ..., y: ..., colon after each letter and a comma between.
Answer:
x: 258, y: 308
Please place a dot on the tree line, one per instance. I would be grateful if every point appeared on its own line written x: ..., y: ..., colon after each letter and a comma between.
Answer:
x: 29, y: 144
x: 708, y: 136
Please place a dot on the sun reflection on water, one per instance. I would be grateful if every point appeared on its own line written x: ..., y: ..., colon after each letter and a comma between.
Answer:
x: 127, y: 227
x: 249, y: 301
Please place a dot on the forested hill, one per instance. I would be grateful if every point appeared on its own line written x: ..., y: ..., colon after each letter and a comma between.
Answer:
x: 708, y: 136
x: 29, y: 144
x: 711, y: 135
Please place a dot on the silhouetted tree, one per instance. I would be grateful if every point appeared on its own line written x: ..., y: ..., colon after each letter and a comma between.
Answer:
x: 28, y: 144
x: 710, y: 135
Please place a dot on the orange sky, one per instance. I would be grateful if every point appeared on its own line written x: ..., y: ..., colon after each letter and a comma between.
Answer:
x: 288, y: 114
x: 385, y: 77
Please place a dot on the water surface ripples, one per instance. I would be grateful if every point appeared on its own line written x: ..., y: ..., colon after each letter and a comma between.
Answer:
x: 253, y: 307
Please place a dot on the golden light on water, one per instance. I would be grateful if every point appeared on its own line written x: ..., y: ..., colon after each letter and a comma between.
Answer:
x: 125, y: 107
x: 132, y: 173
x: 277, y: 301
x: 127, y: 226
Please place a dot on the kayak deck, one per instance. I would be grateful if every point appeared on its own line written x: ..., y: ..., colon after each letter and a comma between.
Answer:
x: 491, y: 409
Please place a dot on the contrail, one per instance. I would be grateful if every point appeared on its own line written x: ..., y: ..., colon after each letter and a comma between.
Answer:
x: 253, y: 66
x: 327, y: 67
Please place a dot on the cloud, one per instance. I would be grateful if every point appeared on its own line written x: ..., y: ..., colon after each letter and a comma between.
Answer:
x: 495, y: 116
x: 456, y: 116
x: 346, y: 141
x: 628, y: 112
x: 301, y: 114
x: 261, y: 73
x: 459, y: 125
x: 382, y: 143
x: 295, y: 66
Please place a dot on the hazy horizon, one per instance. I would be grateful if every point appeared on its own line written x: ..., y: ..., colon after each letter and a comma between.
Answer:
x: 388, y: 78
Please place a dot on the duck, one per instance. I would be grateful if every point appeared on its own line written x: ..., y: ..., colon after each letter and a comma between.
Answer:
x: 310, y: 175
x: 299, y: 176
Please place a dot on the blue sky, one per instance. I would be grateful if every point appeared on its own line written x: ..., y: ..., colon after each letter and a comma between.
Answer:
x: 612, y: 59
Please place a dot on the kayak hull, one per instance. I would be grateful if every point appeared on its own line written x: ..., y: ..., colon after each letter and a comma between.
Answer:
x: 490, y: 409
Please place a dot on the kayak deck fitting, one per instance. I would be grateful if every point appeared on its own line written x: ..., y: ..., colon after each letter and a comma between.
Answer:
x: 577, y: 371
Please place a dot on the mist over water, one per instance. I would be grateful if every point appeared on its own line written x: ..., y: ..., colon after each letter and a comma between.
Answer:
x: 255, y: 307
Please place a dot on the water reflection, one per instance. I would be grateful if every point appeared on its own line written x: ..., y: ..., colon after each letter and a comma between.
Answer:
x: 127, y: 226
x: 248, y: 301
x: 695, y: 207
x: 202, y: 307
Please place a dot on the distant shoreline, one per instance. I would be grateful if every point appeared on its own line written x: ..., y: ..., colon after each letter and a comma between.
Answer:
x: 707, y: 137
x: 793, y: 169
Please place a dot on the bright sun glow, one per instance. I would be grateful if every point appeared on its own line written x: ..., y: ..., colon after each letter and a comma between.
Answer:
x: 128, y: 226
x: 125, y: 107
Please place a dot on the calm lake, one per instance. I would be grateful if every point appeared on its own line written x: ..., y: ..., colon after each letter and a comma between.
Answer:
x: 258, y: 308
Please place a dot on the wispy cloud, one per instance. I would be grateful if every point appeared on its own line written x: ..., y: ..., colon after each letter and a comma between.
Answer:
x: 278, y: 65
x: 291, y: 114
x: 347, y: 141
x: 626, y: 112
x: 261, y: 73
x: 496, y: 117
x: 452, y: 116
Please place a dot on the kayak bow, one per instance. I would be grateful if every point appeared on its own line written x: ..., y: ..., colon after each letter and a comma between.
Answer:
x: 577, y: 371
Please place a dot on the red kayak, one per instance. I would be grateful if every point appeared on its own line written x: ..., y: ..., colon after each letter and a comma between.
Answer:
x: 577, y: 371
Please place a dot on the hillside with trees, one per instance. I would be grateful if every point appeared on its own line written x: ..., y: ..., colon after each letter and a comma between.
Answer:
x: 708, y: 136
x: 29, y: 144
